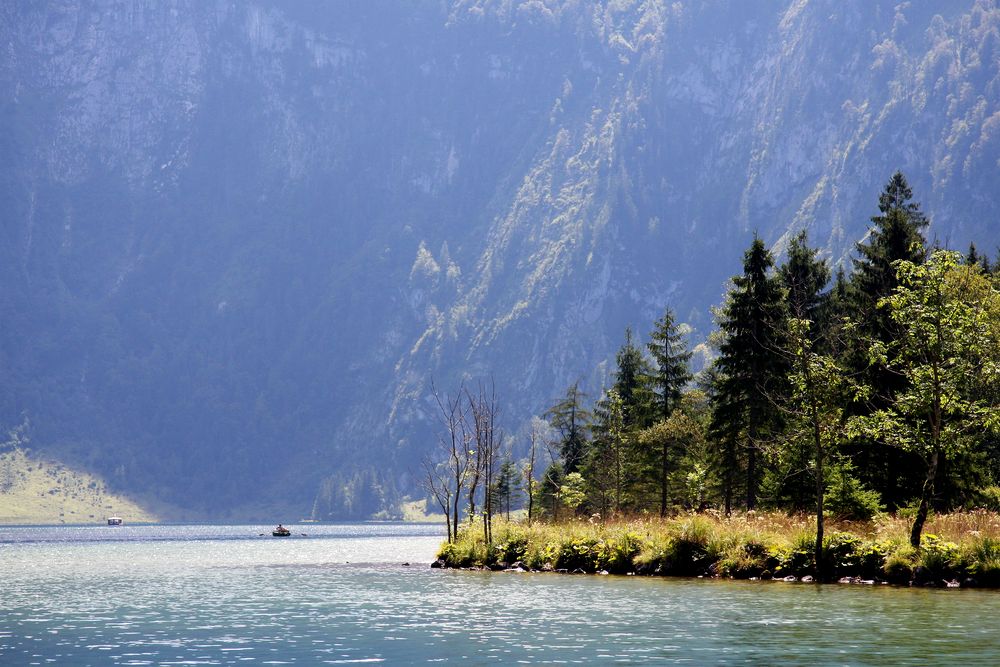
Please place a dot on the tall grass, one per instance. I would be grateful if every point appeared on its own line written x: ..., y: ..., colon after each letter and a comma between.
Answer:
x: 962, y: 546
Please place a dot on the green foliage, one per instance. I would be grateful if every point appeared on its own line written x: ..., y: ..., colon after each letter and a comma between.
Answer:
x: 944, y: 342
x: 548, y: 488
x: 572, y: 491
x: 742, y: 558
x: 939, y: 558
x: 611, y: 460
x: 691, y: 551
x: 982, y: 559
x: 576, y: 554
x: 804, y: 278
x: 669, y: 373
x: 572, y: 420
x: 751, y: 371
x: 630, y: 384
x: 511, y: 547
x: 990, y: 497
x: 900, y: 564
x: 696, y: 545
x: 847, y: 498
x: 797, y: 558
x: 617, y: 554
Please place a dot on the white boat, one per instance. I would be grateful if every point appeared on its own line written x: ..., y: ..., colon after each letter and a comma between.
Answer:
x: 115, y: 521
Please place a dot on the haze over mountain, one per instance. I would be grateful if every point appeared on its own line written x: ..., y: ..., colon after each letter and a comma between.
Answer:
x: 239, y: 240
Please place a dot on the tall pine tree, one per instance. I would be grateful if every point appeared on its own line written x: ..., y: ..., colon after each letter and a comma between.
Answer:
x: 670, y: 370
x: 617, y: 418
x: 804, y: 278
x: 895, y: 235
x: 667, y: 379
x: 631, y: 384
x: 752, y: 369
x: 572, y: 420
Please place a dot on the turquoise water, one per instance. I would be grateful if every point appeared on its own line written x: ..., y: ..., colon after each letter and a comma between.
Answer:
x: 223, y: 595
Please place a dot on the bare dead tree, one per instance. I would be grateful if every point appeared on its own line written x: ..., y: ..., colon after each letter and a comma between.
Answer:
x: 436, y: 483
x: 457, y: 459
x: 529, y: 471
x: 488, y: 441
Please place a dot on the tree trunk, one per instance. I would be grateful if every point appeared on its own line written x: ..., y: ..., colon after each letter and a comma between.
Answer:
x: 663, y: 481
x: 728, y: 491
x: 925, y: 498
x: 531, y: 500
x: 454, y: 515
x: 820, y: 491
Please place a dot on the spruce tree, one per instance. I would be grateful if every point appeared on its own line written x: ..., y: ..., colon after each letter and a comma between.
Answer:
x: 611, y: 463
x: 725, y: 430
x: 804, y: 278
x: 670, y: 370
x: 630, y: 384
x: 667, y: 379
x: 752, y: 369
x: 572, y: 420
x: 895, y: 235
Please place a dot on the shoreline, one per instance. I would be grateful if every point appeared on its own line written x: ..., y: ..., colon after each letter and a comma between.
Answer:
x: 768, y: 547
x: 517, y: 568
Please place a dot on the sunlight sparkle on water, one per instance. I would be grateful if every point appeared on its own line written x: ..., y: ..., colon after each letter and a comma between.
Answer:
x: 225, y: 595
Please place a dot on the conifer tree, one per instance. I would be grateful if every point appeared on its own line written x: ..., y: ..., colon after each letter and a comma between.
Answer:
x: 725, y: 429
x: 804, y: 278
x: 572, y: 420
x: 670, y: 370
x: 752, y: 370
x: 895, y: 235
x: 548, y: 489
x: 667, y: 378
x: 631, y: 384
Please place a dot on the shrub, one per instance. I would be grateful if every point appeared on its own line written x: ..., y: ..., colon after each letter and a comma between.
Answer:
x: 577, y: 554
x: 743, y: 559
x: 900, y: 564
x: 848, y: 499
x: 515, y: 548
x: 982, y: 560
x: 654, y: 554
x: 871, y: 557
x: 990, y: 498
x: 617, y: 554
x: 798, y: 558
x: 841, y: 553
x: 690, y: 552
x: 938, y: 558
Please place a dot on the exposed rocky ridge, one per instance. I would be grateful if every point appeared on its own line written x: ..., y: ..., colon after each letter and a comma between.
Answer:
x: 239, y: 241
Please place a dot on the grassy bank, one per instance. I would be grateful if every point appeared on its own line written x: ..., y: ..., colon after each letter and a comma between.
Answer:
x: 42, y: 491
x: 962, y: 547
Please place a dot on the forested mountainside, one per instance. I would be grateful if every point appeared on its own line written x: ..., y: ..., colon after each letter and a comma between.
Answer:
x: 240, y: 240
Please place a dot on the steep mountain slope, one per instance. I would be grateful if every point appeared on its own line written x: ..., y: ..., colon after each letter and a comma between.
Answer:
x: 239, y: 242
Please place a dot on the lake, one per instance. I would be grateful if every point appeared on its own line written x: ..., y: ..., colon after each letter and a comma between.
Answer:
x: 340, y: 594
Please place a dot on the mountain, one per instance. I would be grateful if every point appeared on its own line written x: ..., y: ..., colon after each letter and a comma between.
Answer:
x: 240, y: 242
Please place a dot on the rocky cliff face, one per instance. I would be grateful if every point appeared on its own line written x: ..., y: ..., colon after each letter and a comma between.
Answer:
x: 239, y: 241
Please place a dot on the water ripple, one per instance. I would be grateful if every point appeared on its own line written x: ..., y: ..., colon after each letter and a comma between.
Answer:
x: 244, y: 601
